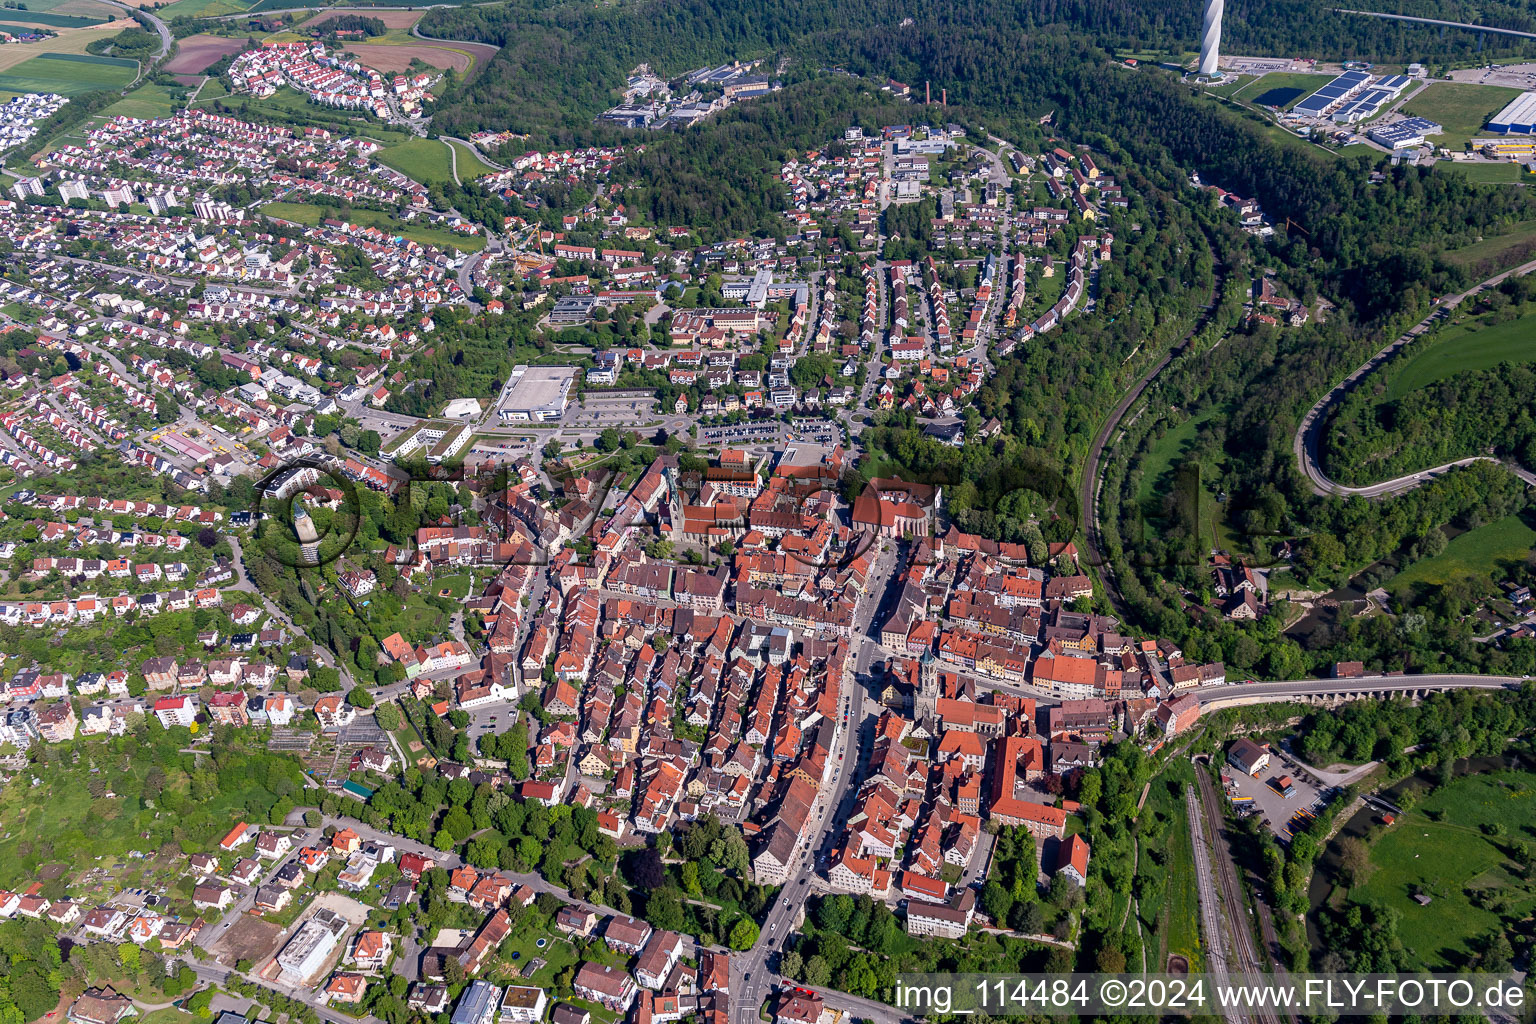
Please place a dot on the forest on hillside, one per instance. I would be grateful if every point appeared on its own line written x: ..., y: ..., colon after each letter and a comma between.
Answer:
x: 560, y: 65
x: 1465, y: 414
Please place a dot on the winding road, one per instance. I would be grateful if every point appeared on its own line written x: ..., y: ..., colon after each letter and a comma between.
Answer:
x: 160, y: 28
x: 1309, y: 434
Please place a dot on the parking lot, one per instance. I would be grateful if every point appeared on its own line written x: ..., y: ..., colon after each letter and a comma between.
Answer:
x: 610, y: 410
x: 491, y: 719
x: 1262, y: 796
x: 752, y: 433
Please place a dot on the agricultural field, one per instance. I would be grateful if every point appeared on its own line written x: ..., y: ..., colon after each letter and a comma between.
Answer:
x: 1441, y: 848
x: 70, y: 74
x: 1463, y: 348
x: 1461, y: 110
x: 204, y: 8
x: 393, y: 56
x: 195, y: 53
x: 49, y: 19
x: 68, y: 41
x: 1481, y: 553
x: 310, y: 215
x: 96, y: 12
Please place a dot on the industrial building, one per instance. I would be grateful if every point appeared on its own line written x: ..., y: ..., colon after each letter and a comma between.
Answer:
x: 1404, y: 134
x: 1518, y: 118
x: 1333, y: 95
x: 1507, y: 149
x: 1370, y: 102
x: 536, y: 394
x: 1367, y: 105
x: 311, y: 945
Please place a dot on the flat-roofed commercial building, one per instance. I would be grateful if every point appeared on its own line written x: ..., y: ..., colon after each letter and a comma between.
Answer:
x: 536, y: 394
x: 1517, y: 118
x: 307, y: 951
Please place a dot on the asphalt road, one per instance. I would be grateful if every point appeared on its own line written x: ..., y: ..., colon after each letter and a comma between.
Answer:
x: 1308, y: 438
x: 1437, y: 21
x: 751, y: 978
x: 1279, y: 691
x: 160, y: 27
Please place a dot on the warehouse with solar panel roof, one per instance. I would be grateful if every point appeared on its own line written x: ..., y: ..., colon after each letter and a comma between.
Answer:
x: 1518, y: 118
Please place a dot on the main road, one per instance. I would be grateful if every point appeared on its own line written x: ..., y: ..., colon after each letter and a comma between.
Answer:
x: 751, y: 979
x: 1308, y: 440
x: 1232, y: 694
x: 159, y: 26
x: 1437, y: 21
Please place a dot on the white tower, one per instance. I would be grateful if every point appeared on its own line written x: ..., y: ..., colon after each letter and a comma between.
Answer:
x: 1210, y: 39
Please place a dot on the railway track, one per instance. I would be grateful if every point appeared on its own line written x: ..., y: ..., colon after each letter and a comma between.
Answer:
x: 1243, y: 956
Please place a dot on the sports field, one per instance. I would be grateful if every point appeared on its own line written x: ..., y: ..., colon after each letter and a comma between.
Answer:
x: 1463, y: 348
x: 1460, y: 109
x: 1485, y: 552
x: 1503, y: 172
x: 70, y: 74
x: 1438, y: 848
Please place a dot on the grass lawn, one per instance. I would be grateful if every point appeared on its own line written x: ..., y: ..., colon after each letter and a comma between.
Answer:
x: 1481, y: 552
x: 425, y: 160
x: 1503, y: 172
x: 1461, y: 109
x: 169, y: 1015
x: 557, y: 953
x: 1464, y: 348
x: 1164, y: 453
x: 470, y: 165
x: 1157, y: 477
x: 67, y: 74
x: 416, y: 620
x: 148, y: 101
x: 1444, y: 857
x: 1497, y: 251
x: 457, y: 586
x: 1237, y: 84
x: 1171, y: 920
x: 1281, y: 88
x: 309, y: 215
